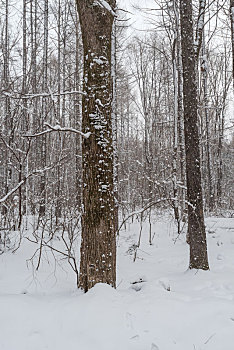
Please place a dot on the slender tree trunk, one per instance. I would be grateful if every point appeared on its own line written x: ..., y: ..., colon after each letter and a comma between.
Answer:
x: 219, y: 159
x: 98, y: 248
x: 181, y: 125
x: 34, y: 103
x: 210, y: 201
x: 24, y: 122
x: 77, y: 101
x: 175, y: 138
x: 196, y: 227
x: 44, y: 109
x: 200, y: 27
x: 232, y: 34
x: 8, y: 120
x: 58, y: 204
x: 221, y: 121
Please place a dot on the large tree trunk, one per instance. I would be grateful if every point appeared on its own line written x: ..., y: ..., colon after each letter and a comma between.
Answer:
x: 196, y: 227
x: 98, y: 248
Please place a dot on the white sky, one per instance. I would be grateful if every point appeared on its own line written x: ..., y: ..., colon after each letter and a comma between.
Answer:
x: 139, y: 22
x: 138, y: 19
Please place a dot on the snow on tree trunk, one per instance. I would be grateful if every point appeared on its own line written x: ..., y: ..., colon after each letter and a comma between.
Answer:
x: 98, y: 248
x: 114, y: 120
x: 196, y: 227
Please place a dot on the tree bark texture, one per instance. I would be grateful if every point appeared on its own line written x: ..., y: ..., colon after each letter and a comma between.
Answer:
x: 98, y: 247
x: 196, y: 227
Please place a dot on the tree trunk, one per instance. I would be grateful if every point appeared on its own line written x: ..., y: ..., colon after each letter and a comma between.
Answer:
x: 58, y: 204
x: 210, y: 195
x: 175, y: 138
x: 42, y: 206
x: 98, y: 247
x: 196, y: 227
x: 77, y: 102
x: 114, y: 120
x: 232, y: 34
x: 7, y: 105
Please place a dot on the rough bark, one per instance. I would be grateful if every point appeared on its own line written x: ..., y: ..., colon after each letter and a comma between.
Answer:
x: 114, y: 120
x: 98, y: 248
x: 196, y: 227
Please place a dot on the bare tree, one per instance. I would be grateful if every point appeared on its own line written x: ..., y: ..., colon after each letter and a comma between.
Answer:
x: 196, y: 227
x: 98, y: 248
x: 232, y: 33
x: 44, y: 111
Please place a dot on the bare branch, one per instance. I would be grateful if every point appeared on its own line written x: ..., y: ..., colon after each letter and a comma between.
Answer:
x: 42, y: 94
x: 59, y: 128
x: 141, y: 211
x: 35, y: 172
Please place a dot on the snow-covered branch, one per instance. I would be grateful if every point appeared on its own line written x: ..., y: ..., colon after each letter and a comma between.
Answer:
x: 59, y: 128
x: 42, y: 94
x: 105, y: 5
x: 35, y: 172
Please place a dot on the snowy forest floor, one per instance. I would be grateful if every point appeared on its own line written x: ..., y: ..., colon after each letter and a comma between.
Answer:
x: 158, y: 304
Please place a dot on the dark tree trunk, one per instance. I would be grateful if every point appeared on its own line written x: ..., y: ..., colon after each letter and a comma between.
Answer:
x: 98, y: 248
x: 196, y: 227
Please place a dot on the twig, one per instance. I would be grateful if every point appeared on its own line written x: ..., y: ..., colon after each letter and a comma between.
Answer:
x: 142, y: 211
x: 210, y: 338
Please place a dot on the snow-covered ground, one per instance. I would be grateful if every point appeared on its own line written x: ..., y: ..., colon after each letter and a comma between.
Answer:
x: 158, y: 303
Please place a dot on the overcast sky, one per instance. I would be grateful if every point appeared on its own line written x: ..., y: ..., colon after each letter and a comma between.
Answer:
x: 138, y: 19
